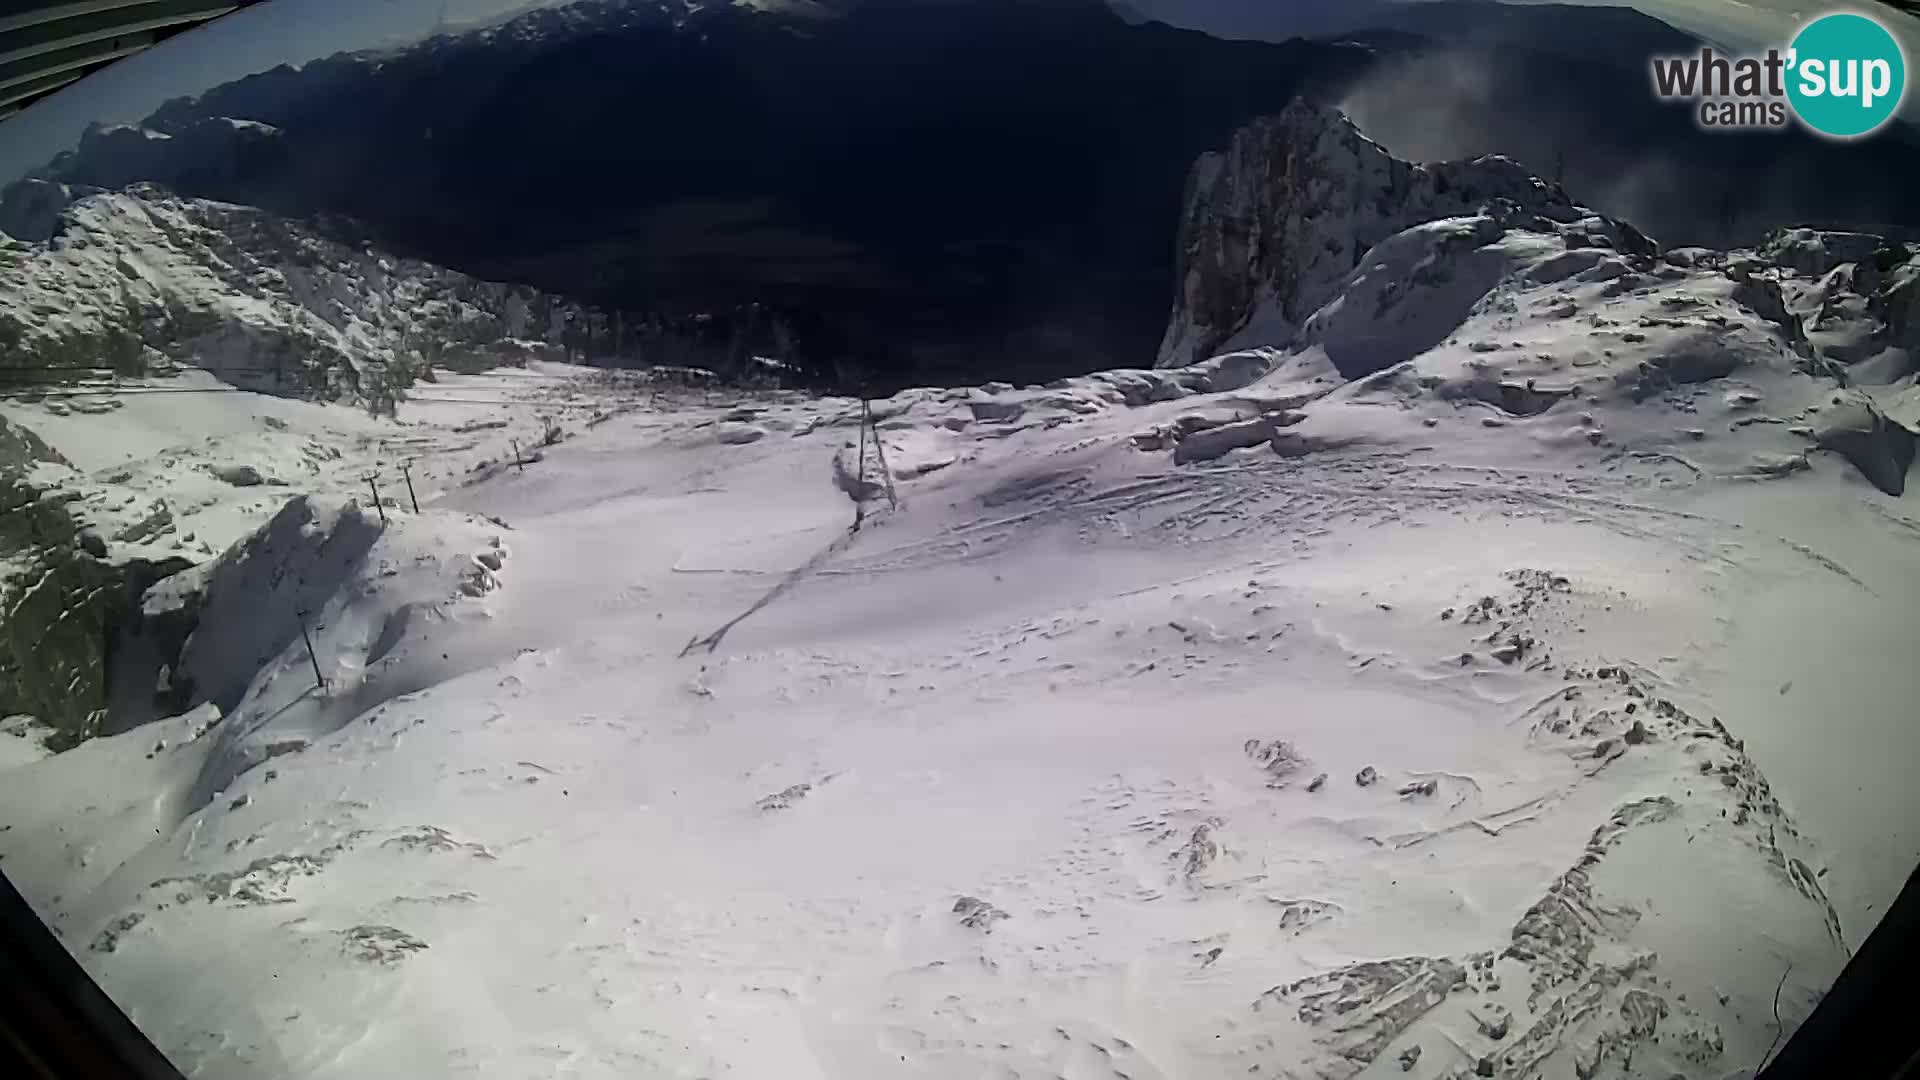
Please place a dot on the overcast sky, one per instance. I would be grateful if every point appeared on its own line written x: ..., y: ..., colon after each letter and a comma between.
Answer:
x: 295, y: 31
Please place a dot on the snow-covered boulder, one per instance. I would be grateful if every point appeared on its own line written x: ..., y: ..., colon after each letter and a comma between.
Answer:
x: 741, y: 434
x: 23, y: 741
x: 1412, y: 290
x: 1210, y: 443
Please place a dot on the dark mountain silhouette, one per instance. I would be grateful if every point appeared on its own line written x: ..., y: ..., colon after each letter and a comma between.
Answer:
x: 930, y: 189
x: 955, y: 179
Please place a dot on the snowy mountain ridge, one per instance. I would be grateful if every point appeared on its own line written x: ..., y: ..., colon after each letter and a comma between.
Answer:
x: 138, y: 279
x: 815, y: 103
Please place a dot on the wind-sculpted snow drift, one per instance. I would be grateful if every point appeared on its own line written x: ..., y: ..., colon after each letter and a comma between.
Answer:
x: 1477, y: 671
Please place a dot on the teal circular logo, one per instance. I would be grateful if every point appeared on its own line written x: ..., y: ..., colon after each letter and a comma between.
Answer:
x: 1846, y: 75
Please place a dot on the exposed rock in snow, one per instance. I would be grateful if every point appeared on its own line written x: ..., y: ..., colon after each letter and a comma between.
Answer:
x: 1209, y: 443
x: 977, y: 914
x: 1856, y: 429
x: 1813, y: 252
x: 1857, y: 298
x: 58, y: 592
x: 238, y: 475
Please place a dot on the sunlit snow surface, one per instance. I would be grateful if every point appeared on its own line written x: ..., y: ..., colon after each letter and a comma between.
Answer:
x: 995, y: 785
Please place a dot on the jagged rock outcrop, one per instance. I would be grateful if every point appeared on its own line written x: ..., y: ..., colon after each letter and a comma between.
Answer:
x: 1856, y: 295
x: 30, y: 208
x: 1855, y: 428
x: 1815, y: 251
x: 1902, y: 297
x: 63, y: 601
x: 1274, y: 225
x: 128, y: 279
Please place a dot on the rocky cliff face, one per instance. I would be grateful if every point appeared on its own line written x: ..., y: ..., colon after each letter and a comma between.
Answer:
x: 1272, y: 227
x: 62, y: 603
x: 139, y: 280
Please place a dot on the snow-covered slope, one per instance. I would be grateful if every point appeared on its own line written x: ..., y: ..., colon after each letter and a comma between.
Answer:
x: 137, y: 280
x: 1077, y: 761
x: 104, y: 488
x: 1534, y: 705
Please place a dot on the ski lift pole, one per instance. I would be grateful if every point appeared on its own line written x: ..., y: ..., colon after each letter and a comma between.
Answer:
x: 407, y: 474
x: 377, y: 504
x: 319, y: 680
x: 880, y: 451
x: 860, y: 484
